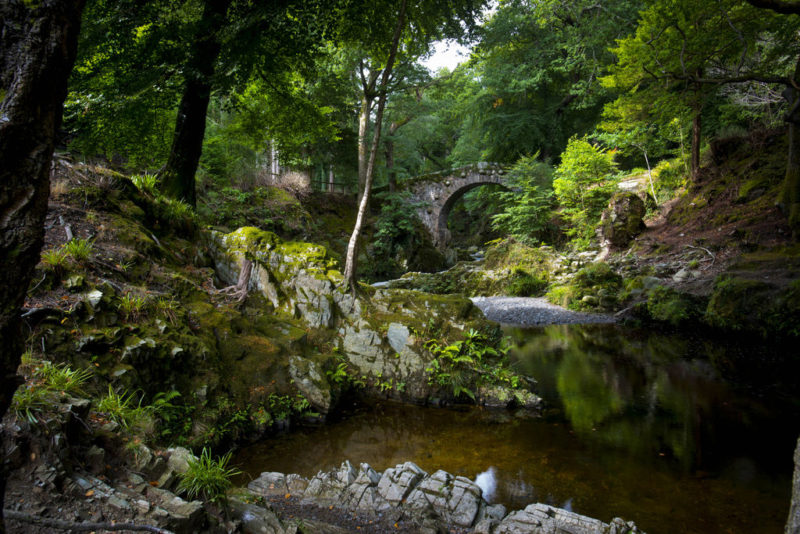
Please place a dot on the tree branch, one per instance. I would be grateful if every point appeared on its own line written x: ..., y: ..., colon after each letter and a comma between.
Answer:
x: 80, y: 527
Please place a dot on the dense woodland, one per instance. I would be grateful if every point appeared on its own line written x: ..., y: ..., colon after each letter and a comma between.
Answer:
x: 166, y: 122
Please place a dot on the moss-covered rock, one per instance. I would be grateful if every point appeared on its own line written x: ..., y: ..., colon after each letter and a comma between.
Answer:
x: 669, y: 306
x: 509, y: 268
x: 745, y: 304
x: 596, y: 286
x: 622, y: 220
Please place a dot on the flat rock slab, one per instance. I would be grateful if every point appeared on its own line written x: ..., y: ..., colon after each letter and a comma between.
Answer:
x: 533, y: 311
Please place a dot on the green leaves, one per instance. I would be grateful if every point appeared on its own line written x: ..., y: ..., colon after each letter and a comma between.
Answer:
x: 583, y: 185
x: 528, y: 206
x: 208, y: 478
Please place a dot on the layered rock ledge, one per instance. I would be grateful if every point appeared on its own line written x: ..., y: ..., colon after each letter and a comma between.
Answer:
x: 433, y: 502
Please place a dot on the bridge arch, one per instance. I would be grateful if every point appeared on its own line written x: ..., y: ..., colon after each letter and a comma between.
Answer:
x: 436, y: 194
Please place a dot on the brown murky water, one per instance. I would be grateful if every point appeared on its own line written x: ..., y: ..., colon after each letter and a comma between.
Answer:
x: 681, y: 435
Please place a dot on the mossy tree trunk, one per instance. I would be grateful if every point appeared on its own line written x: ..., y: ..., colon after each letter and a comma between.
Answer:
x: 696, y: 132
x: 351, y: 258
x: 178, y: 175
x: 37, y: 51
x: 790, y: 195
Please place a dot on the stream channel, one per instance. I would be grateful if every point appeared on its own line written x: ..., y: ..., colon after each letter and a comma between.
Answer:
x: 679, y: 433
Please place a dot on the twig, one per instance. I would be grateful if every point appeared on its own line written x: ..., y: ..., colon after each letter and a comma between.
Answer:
x: 81, y: 527
x: 31, y: 290
x: 713, y: 258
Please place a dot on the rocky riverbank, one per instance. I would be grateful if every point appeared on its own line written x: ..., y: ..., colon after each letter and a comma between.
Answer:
x: 408, y: 497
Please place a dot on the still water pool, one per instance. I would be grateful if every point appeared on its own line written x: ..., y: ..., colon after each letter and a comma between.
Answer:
x: 681, y: 434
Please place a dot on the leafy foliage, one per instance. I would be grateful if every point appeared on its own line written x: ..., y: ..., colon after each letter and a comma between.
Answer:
x: 398, y: 234
x: 208, y: 478
x: 583, y: 186
x: 79, y: 249
x: 46, y: 383
x: 124, y: 410
x: 55, y: 260
x: 528, y: 207
x: 455, y: 365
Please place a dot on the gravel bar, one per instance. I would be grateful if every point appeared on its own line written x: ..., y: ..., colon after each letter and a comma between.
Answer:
x: 533, y: 311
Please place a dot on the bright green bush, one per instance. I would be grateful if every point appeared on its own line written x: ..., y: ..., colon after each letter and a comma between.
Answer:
x: 583, y: 185
x: 208, y: 478
x: 528, y: 207
x: 79, y: 249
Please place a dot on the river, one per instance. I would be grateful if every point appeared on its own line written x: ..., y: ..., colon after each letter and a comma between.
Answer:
x: 676, y: 432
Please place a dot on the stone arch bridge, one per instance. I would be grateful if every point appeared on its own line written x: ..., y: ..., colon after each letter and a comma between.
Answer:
x: 437, y: 194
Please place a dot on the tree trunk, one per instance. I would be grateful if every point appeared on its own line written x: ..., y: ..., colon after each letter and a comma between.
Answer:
x: 351, y: 262
x: 363, y: 148
x: 696, y: 139
x: 789, y: 200
x: 37, y: 51
x: 390, y: 165
x: 389, y: 152
x: 177, y: 177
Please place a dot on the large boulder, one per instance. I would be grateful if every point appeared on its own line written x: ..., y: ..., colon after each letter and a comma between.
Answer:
x: 622, y: 220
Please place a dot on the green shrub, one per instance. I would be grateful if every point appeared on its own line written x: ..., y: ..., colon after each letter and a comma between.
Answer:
x: 131, y: 306
x: 62, y: 378
x: 122, y: 409
x: 30, y: 400
x: 79, y: 249
x: 146, y: 183
x: 208, y: 478
x: 55, y: 260
x: 584, y: 183
x: 46, y: 383
x: 527, y: 211
x: 668, y: 177
x: 466, y: 364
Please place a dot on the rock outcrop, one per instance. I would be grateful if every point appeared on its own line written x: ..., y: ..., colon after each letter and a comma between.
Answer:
x: 379, y: 334
x: 435, y: 502
x: 622, y: 220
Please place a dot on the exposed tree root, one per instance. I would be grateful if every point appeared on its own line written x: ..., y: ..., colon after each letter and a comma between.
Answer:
x: 239, y: 291
x: 81, y: 527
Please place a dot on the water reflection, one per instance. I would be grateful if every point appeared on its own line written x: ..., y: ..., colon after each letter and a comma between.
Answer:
x: 643, y: 426
x: 657, y: 394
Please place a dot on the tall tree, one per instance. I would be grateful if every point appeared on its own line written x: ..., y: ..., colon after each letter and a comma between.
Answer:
x: 177, y: 176
x: 37, y: 51
x: 352, y: 245
x: 686, y: 48
x: 790, y: 195
x: 538, y: 62
x: 428, y: 20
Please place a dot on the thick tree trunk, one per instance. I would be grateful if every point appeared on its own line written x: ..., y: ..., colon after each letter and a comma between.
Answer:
x: 351, y: 261
x: 177, y: 177
x: 37, y: 51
